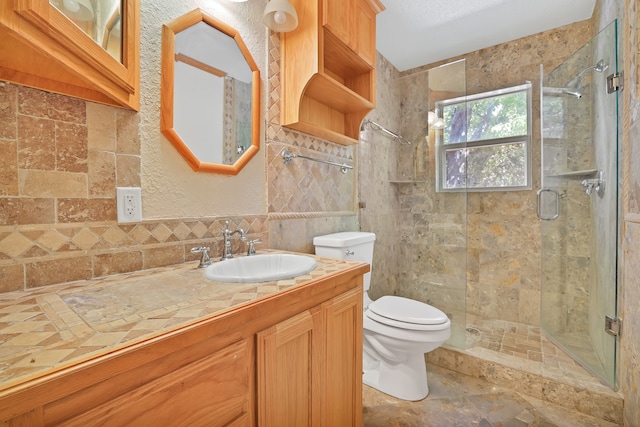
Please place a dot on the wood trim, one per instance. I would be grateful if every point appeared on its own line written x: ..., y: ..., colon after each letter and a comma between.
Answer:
x: 169, y: 32
x: 181, y: 57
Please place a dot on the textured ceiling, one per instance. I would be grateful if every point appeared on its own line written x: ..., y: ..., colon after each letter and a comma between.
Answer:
x: 411, y: 33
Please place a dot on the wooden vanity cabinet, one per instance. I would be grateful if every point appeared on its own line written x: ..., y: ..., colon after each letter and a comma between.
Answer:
x: 310, y: 367
x: 328, y: 68
x: 44, y: 49
x: 291, y: 359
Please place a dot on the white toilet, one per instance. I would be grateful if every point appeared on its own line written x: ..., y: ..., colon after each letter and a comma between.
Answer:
x: 397, y: 331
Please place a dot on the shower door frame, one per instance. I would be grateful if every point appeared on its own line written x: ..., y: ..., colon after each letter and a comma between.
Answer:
x: 561, y: 191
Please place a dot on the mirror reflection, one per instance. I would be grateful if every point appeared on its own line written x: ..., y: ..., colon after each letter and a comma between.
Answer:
x: 212, y: 101
x: 99, y: 19
x: 210, y: 94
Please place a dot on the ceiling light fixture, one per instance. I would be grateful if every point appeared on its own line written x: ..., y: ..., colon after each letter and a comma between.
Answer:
x: 280, y: 16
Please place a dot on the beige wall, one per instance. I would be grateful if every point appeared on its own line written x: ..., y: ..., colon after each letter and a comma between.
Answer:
x: 170, y: 189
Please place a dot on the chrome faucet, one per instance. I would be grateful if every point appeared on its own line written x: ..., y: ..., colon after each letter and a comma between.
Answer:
x: 252, y: 248
x: 205, y: 261
x: 596, y: 183
x: 227, y: 252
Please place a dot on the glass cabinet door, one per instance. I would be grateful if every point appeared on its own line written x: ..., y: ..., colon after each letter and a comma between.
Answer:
x: 87, y: 49
x: 101, y: 20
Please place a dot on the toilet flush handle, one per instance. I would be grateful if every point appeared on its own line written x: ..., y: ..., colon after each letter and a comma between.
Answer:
x: 348, y: 252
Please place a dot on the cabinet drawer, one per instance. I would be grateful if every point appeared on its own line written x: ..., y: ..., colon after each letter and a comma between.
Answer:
x: 213, y: 391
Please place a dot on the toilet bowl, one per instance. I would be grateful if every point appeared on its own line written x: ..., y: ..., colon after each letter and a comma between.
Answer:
x: 397, y: 331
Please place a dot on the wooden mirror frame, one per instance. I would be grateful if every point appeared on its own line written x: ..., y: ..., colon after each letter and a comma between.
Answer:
x: 169, y: 32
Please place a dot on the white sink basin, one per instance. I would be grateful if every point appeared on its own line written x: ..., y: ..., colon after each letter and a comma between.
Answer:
x: 260, y: 268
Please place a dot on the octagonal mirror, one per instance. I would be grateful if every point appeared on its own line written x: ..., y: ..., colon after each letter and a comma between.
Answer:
x: 210, y: 94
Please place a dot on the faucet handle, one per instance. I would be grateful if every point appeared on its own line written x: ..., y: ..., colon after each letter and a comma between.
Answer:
x: 205, y: 261
x: 252, y: 248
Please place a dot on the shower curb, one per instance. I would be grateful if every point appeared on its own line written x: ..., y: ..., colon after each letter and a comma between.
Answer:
x: 602, y: 403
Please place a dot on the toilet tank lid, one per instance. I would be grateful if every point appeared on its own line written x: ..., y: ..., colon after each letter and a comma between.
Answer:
x: 344, y: 239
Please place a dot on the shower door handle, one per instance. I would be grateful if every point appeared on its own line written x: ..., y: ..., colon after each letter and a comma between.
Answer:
x: 556, y: 202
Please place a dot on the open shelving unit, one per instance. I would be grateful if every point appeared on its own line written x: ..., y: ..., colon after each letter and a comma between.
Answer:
x: 327, y: 86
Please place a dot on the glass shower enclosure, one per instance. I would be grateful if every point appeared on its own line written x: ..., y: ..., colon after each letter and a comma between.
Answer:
x: 578, y: 204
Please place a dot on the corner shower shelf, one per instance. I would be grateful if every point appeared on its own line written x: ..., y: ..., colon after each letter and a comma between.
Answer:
x: 576, y: 174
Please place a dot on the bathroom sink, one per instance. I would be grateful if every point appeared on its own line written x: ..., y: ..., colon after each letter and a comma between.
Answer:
x: 260, y: 268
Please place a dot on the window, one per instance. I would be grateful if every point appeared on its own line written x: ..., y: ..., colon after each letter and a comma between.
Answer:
x: 485, y: 144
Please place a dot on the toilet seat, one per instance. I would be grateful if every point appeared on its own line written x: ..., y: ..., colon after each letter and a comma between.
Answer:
x: 406, y: 313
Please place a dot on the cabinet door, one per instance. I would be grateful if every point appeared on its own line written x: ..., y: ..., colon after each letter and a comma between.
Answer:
x: 289, y: 366
x: 48, y: 51
x: 342, y: 406
x: 337, y: 17
x: 365, y: 27
x: 353, y: 22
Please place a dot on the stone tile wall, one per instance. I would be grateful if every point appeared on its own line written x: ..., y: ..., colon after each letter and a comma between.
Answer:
x: 379, y: 210
x: 62, y: 159
x: 502, y: 252
x: 483, y: 249
x: 305, y: 198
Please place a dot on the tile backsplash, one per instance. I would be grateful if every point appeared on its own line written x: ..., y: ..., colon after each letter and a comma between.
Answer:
x: 62, y: 159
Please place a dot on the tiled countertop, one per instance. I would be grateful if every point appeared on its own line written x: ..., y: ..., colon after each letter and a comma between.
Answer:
x: 49, y: 328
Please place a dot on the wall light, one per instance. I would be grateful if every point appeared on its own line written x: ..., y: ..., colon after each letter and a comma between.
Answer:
x: 280, y: 16
x: 434, y: 121
x: 431, y: 117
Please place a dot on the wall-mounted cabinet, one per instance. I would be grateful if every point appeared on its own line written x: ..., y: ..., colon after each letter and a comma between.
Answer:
x: 328, y: 70
x: 44, y: 48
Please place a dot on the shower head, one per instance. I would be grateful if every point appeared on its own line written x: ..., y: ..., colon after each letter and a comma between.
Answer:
x: 574, y: 86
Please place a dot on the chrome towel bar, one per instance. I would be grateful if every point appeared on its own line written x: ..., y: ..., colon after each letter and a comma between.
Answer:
x: 375, y: 126
x: 288, y: 156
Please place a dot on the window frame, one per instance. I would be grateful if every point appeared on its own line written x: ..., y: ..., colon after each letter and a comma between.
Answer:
x: 441, y: 148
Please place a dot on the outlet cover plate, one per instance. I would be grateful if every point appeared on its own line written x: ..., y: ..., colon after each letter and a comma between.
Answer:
x: 129, y: 204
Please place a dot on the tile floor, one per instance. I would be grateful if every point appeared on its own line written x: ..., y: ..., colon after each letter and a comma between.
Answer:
x: 457, y: 400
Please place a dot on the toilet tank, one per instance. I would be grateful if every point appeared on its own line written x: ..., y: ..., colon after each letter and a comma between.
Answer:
x: 352, y: 245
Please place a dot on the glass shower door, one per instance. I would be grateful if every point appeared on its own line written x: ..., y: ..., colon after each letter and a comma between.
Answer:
x: 578, y: 202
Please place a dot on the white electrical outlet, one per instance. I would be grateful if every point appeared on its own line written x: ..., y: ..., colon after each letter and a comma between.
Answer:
x: 129, y: 204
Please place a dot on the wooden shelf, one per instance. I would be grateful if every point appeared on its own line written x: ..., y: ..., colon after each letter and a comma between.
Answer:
x: 328, y: 91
